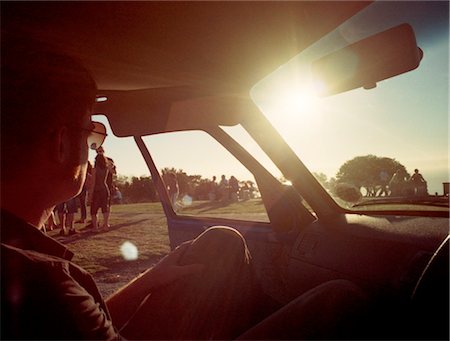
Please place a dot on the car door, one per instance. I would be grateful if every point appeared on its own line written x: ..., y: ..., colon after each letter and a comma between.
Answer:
x: 269, y: 215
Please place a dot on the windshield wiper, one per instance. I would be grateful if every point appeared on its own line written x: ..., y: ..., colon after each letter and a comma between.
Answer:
x: 427, y: 201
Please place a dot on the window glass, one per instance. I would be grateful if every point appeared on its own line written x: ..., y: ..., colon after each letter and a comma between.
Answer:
x: 209, y: 181
x: 241, y: 136
x: 361, y: 138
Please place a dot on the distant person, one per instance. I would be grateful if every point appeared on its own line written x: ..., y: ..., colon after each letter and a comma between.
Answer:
x: 82, y: 197
x: 100, y: 192
x: 51, y: 222
x: 419, y: 184
x: 66, y: 213
x: 212, y: 192
x: 233, y: 188
x: 61, y: 213
x: 172, y: 188
x: 397, y: 184
x: 245, y: 190
x: 117, y: 196
x: 252, y: 190
x: 71, y: 209
x: 223, y: 188
x: 112, y: 171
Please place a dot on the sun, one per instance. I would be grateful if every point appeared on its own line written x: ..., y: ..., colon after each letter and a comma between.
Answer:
x: 297, y: 101
x: 291, y: 103
x: 297, y: 104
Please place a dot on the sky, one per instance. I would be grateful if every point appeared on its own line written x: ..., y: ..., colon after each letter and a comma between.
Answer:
x: 405, y: 117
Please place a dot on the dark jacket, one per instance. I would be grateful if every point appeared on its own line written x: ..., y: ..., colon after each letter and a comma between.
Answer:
x: 44, y: 295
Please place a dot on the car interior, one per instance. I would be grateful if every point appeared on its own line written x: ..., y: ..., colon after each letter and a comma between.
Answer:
x: 180, y: 67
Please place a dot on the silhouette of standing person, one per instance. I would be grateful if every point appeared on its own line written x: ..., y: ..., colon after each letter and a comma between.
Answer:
x: 111, y: 171
x: 82, y: 197
x: 234, y: 188
x: 397, y: 183
x: 172, y: 188
x: 61, y: 212
x: 223, y: 188
x: 212, y: 194
x: 71, y: 206
x: 419, y: 183
x: 51, y: 223
x: 101, y: 195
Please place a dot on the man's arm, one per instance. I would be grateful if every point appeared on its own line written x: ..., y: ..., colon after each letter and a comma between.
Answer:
x: 123, y: 304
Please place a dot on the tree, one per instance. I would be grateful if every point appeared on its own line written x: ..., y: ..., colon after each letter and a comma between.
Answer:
x: 365, y: 172
x: 323, y: 179
x: 142, y: 189
x: 202, y: 189
x: 136, y: 189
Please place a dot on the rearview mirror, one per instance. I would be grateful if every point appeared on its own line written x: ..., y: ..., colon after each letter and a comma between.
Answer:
x: 368, y: 61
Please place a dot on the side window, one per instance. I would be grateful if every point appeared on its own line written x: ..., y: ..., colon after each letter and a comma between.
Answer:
x: 203, y: 179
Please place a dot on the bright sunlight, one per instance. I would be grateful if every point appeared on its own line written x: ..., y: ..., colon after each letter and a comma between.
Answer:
x: 294, y: 102
x: 297, y: 101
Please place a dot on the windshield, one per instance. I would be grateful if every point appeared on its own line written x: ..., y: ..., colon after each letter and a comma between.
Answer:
x: 386, y: 146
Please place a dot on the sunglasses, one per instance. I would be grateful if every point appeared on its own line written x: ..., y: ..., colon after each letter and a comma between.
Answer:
x: 97, y: 135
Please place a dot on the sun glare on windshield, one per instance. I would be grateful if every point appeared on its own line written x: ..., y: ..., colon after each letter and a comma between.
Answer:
x: 403, y: 117
x: 296, y: 101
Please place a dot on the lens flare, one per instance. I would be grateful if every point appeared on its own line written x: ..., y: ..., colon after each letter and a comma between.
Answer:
x: 101, y: 99
x: 129, y: 251
x: 187, y: 200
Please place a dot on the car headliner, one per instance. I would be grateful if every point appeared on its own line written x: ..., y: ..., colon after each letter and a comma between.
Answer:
x: 221, y: 46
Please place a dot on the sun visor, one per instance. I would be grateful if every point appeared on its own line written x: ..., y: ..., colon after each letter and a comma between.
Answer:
x: 152, y: 111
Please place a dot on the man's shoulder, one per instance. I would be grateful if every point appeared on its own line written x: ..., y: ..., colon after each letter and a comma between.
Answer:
x: 27, y: 255
x: 39, y: 276
x: 37, y: 288
x: 28, y: 265
x: 33, y: 262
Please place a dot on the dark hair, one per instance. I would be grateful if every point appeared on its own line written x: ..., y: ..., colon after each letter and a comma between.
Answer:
x: 41, y: 89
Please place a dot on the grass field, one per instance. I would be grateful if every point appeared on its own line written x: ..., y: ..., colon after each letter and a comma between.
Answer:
x: 144, y: 225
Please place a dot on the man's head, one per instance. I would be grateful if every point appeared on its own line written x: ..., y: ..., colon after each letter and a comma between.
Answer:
x: 46, y: 102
